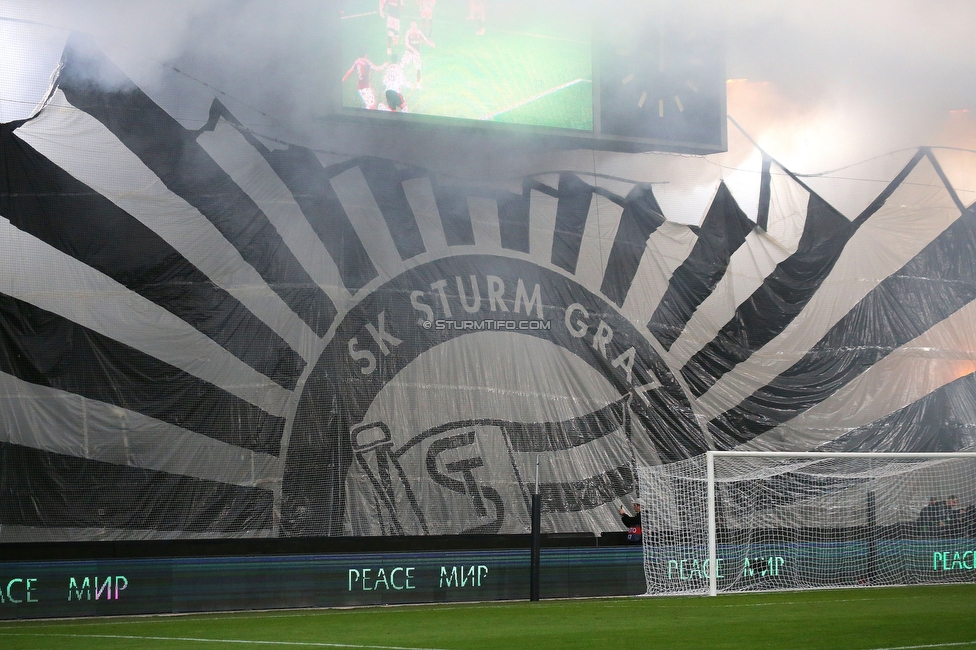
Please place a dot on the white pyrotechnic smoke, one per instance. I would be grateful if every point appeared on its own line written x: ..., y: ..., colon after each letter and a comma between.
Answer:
x: 821, y: 83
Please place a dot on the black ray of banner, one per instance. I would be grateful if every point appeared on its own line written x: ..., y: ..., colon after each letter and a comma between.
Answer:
x: 43, y: 489
x: 936, y: 283
x: 42, y: 348
x: 40, y: 198
x: 722, y: 232
x: 174, y: 155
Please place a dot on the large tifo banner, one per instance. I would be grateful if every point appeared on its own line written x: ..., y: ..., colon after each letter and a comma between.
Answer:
x: 208, y: 333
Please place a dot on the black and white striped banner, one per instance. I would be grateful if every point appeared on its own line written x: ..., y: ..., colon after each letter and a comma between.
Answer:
x: 205, y: 334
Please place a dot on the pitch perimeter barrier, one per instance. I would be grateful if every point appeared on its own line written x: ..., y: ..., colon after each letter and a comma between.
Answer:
x: 155, y: 585
x: 771, y: 566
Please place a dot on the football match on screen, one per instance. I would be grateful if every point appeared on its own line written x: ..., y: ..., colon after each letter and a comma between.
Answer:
x: 504, y: 61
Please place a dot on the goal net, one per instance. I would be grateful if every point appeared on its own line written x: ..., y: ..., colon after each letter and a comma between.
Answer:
x: 776, y: 521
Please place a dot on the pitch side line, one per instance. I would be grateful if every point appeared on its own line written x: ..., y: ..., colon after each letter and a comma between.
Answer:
x: 306, y: 644
x: 368, y: 13
x: 933, y: 645
x: 490, y: 116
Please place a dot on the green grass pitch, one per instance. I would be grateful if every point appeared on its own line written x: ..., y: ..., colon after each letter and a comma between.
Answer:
x: 528, y: 68
x: 856, y: 619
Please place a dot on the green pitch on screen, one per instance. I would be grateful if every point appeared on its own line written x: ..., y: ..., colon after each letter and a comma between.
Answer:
x: 532, y: 66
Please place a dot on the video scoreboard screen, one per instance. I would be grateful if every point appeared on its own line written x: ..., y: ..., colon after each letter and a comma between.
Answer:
x: 617, y: 74
x: 501, y: 61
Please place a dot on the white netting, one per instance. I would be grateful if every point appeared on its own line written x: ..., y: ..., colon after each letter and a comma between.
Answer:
x: 810, y: 521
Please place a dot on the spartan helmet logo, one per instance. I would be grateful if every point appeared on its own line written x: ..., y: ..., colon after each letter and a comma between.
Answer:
x: 477, y: 475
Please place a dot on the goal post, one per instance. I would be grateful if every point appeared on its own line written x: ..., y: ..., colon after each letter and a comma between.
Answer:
x: 730, y: 521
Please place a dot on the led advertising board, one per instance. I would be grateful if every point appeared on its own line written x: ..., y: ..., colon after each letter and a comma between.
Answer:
x: 199, y: 584
x: 41, y: 589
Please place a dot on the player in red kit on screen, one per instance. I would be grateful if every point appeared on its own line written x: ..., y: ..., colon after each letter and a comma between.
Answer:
x: 362, y: 67
x: 412, y: 41
x: 390, y: 9
x: 427, y: 15
x: 476, y: 12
